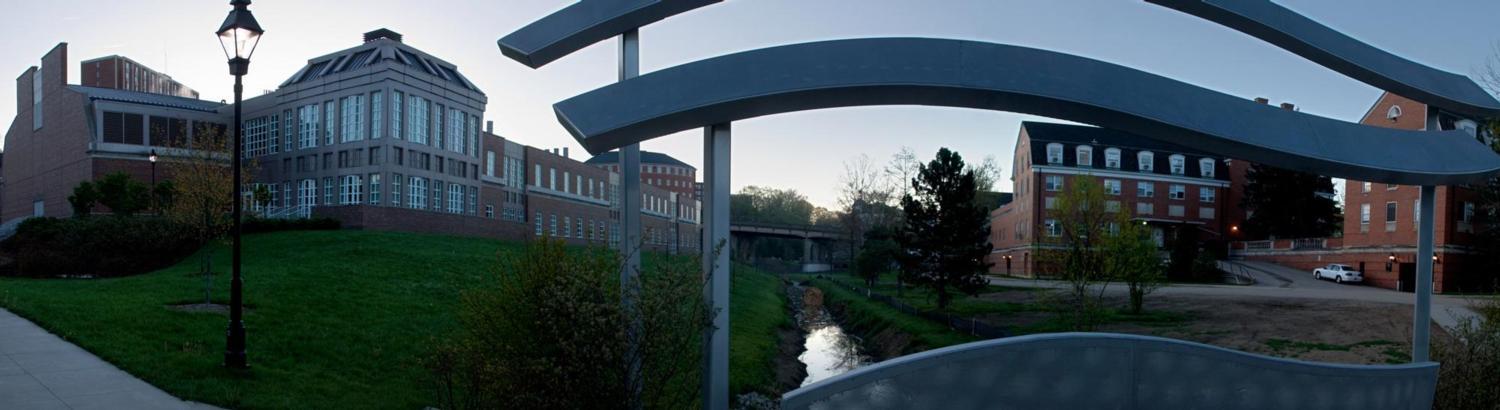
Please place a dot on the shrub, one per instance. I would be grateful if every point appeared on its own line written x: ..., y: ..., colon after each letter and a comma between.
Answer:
x: 83, y: 199
x: 550, y: 333
x: 259, y: 225
x: 101, y: 246
x: 877, y: 257
x: 1470, y: 361
x: 122, y: 194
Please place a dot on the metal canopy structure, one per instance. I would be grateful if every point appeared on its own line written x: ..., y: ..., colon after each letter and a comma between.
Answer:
x: 1321, y: 44
x: 960, y: 73
x: 585, y: 23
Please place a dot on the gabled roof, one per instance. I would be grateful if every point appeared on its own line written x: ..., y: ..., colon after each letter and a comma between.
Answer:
x: 1071, y: 136
x: 378, y: 50
x: 647, y: 157
x: 135, y: 97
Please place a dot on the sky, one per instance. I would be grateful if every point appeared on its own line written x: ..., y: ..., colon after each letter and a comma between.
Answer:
x: 805, y: 151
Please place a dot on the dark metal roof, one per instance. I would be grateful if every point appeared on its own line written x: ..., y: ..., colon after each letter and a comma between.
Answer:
x: 1323, y: 45
x: 135, y: 97
x: 958, y: 73
x: 585, y: 23
x: 647, y: 157
x: 1071, y: 136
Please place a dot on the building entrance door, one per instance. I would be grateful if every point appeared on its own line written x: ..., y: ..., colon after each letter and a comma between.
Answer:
x: 1407, y: 280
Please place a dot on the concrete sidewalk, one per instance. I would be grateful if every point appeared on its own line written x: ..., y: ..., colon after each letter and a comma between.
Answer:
x: 41, y: 371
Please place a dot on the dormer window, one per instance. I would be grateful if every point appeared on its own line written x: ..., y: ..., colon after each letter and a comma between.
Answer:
x: 1085, y: 156
x: 1147, y: 161
x: 1112, y: 158
x: 1206, y: 167
x: 1178, y: 163
x: 1054, y: 153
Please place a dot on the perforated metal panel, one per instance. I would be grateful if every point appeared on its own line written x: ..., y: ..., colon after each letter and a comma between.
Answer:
x: 1113, y: 371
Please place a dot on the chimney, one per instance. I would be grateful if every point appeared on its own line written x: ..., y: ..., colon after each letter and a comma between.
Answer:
x: 489, y: 126
x: 565, y: 152
x: 1288, y: 106
x: 382, y: 33
x: 1262, y: 100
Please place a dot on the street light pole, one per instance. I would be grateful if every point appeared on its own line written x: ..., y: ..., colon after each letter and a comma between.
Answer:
x: 154, y: 193
x: 241, y: 31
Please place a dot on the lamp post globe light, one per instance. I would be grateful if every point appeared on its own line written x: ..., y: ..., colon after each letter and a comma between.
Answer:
x: 152, y: 158
x: 238, y: 36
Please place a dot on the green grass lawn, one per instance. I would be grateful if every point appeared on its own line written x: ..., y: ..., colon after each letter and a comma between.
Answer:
x: 336, y: 319
x: 757, y: 310
x: 871, y: 317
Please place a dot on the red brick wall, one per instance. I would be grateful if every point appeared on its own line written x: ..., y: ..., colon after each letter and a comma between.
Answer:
x: 45, y: 164
x: 412, y: 220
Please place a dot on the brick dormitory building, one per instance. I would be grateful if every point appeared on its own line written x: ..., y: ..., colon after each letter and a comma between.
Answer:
x: 1381, y: 220
x: 1160, y: 184
x: 380, y: 136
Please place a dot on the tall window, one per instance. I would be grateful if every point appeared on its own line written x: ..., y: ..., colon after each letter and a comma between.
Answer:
x: 538, y: 220
x: 456, y: 138
x: 567, y: 227
x: 1145, y: 189
x: 455, y: 198
x: 489, y: 163
x: 1054, y: 153
x: 353, y: 120
x: 1206, y: 167
x: 1364, y: 217
x: 1054, y: 182
x: 377, y: 109
x: 1178, y: 163
x: 1205, y: 194
x: 307, y: 115
x: 437, y: 125
x: 1112, y: 158
x: 36, y: 100
x: 328, y: 187
x: 396, y: 193
x: 1085, y: 156
x: 257, y: 135
x: 1390, y: 216
x: 1146, y: 160
x: 436, y: 190
x: 417, y: 120
x: 374, y: 189
x: 417, y: 197
x: 473, y: 134
x: 396, y: 114
x: 288, y: 130
x: 351, y: 191
x: 307, y: 192
x: 328, y: 122
x: 1364, y: 187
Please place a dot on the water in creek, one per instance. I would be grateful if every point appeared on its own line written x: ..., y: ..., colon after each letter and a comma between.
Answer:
x: 830, y: 352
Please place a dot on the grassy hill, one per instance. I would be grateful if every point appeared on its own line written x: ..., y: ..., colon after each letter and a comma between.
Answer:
x: 336, y: 319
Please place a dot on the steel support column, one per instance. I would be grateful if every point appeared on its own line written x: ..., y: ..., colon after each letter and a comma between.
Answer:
x: 630, y: 222
x: 716, y: 265
x: 1422, y: 316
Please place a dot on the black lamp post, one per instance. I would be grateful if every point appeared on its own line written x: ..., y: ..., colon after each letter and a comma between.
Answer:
x: 238, y: 36
x: 152, y: 158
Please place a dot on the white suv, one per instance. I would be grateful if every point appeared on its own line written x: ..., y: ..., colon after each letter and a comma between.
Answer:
x: 1339, y: 273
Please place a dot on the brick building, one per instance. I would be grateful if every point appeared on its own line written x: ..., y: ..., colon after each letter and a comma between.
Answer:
x: 379, y: 136
x: 1161, y: 184
x: 122, y: 73
x: 1381, y: 220
x: 657, y: 169
x: 66, y: 134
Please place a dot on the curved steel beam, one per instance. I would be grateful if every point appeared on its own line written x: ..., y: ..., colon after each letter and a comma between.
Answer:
x: 1328, y: 47
x: 958, y: 73
x: 585, y: 23
x: 1103, y: 370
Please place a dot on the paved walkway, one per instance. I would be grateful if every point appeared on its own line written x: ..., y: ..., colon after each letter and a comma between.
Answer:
x: 41, y: 371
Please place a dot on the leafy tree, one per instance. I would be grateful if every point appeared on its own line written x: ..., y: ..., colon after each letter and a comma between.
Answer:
x: 877, y: 257
x: 754, y: 204
x: 1131, y: 258
x: 986, y: 173
x: 946, y: 235
x: 1289, y: 204
x: 122, y: 194
x: 163, y: 193
x: 550, y: 321
x: 1083, y: 225
x: 83, y: 199
x: 200, y: 198
x: 864, y: 199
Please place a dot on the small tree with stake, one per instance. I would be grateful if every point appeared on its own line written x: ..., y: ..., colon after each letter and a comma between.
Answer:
x: 201, y: 177
x: 946, y: 237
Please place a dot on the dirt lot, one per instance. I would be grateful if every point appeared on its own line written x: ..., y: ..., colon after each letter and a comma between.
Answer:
x: 1309, y: 329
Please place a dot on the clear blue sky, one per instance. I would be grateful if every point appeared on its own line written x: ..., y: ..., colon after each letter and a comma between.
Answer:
x: 801, y: 150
